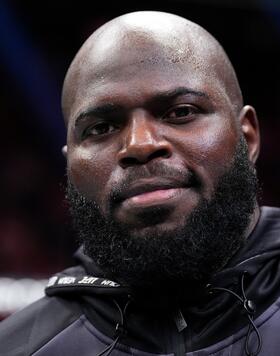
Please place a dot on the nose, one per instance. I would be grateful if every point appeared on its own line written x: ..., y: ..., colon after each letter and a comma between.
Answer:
x: 142, y: 142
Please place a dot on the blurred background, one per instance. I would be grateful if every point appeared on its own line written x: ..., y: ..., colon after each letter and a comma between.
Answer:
x: 38, y: 40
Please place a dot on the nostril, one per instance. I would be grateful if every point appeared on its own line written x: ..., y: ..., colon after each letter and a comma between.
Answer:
x: 132, y: 161
x: 159, y: 153
x: 129, y: 161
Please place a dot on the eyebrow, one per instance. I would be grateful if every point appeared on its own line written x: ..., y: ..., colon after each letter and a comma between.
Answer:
x: 173, y: 93
x: 109, y: 108
x: 99, y: 111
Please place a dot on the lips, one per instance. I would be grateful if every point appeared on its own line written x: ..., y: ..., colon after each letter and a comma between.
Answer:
x: 149, y: 190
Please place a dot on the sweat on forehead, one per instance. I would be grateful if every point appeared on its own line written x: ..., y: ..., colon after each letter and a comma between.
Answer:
x: 148, y: 39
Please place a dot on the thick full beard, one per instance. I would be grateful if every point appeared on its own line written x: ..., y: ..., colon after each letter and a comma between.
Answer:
x: 191, y: 254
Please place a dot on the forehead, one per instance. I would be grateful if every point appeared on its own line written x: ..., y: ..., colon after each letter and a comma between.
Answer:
x: 139, y: 73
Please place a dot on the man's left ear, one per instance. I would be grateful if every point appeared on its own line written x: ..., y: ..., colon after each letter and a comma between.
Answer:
x: 64, y: 151
x: 250, y: 129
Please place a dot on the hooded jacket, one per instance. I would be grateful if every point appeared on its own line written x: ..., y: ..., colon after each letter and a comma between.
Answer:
x: 84, y: 314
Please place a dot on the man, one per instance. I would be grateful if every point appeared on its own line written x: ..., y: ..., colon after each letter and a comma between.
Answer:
x: 177, y: 256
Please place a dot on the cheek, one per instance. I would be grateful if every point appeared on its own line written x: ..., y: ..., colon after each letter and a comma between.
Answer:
x: 89, y: 171
x: 217, y: 147
x: 209, y: 147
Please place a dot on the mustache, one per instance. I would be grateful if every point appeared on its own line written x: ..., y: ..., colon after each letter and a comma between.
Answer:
x: 157, y: 170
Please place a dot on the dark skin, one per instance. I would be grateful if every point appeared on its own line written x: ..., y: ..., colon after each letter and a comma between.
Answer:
x: 139, y: 102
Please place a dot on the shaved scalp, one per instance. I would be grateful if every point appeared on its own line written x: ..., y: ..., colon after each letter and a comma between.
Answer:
x: 148, y: 38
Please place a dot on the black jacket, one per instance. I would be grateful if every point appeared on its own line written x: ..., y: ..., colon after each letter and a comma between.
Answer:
x: 84, y: 314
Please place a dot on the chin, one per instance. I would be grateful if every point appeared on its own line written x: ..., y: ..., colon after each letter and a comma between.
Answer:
x: 156, y: 229
x: 164, y: 218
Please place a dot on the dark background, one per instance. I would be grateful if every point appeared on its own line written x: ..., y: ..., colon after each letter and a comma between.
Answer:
x: 38, y: 40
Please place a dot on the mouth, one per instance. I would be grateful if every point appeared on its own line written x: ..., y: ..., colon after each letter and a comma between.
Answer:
x: 148, y: 192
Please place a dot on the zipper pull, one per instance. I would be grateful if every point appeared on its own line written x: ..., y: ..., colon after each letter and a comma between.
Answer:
x: 179, y: 320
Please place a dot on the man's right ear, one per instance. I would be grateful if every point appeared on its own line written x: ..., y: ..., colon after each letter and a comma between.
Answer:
x: 64, y: 151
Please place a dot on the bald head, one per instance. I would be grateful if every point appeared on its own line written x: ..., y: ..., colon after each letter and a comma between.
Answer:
x: 137, y: 41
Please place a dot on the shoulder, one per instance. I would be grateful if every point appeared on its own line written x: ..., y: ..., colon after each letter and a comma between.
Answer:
x: 27, y: 330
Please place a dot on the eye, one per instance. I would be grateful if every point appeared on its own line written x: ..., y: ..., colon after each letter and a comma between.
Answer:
x: 181, y: 114
x: 99, y: 129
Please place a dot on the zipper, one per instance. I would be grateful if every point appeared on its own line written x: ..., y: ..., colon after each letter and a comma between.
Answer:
x: 179, y: 333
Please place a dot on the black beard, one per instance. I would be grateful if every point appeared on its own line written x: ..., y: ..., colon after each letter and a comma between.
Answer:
x: 210, y: 237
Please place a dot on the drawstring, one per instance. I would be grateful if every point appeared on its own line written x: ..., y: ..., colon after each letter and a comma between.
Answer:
x: 246, y: 303
x: 249, y: 307
x: 119, y: 330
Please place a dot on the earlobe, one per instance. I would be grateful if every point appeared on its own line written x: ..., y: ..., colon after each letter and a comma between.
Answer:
x: 64, y: 151
x: 250, y: 129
